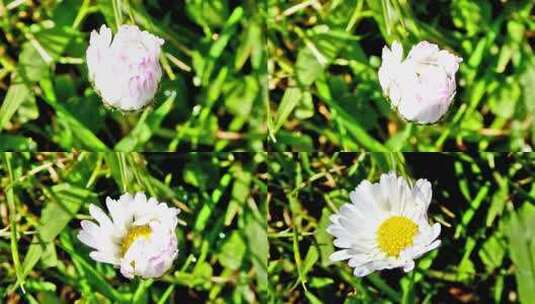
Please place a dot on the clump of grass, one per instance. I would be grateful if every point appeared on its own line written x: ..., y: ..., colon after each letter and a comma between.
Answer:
x: 210, y: 96
x: 221, y: 235
x: 484, y: 203
x: 324, y: 57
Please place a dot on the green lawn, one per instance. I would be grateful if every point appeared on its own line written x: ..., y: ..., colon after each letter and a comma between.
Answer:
x: 324, y: 57
x: 221, y: 232
x: 485, y: 204
x: 258, y: 99
x: 210, y: 97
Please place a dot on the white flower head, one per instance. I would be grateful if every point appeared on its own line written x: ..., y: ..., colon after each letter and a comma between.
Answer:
x: 125, y: 72
x: 422, y: 86
x: 385, y: 226
x: 138, y: 237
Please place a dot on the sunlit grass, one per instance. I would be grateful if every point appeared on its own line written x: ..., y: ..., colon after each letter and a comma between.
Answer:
x: 221, y: 233
x: 484, y: 204
x: 324, y: 57
x: 210, y: 97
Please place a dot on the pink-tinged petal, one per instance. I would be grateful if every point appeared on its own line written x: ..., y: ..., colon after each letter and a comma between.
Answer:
x: 421, y: 87
x: 422, y: 51
x: 449, y: 62
x: 124, y: 69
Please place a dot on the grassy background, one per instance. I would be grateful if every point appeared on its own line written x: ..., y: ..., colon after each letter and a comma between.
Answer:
x: 323, y: 63
x: 322, y: 59
x: 211, y: 94
x: 221, y: 234
x: 485, y: 204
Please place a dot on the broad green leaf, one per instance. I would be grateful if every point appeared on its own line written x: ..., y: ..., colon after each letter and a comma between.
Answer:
x: 522, y: 250
x: 466, y: 269
x: 527, y: 82
x: 64, y: 202
x: 492, y: 252
x: 307, y: 67
x: 240, y: 193
x: 324, y: 239
x: 305, y: 108
x: 208, y: 13
x: 17, y: 94
x: 310, y: 259
x: 16, y: 143
x: 232, y: 252
x: 503, y: 101
x: 499, y: 199
x: 258, y: 246
x: 297, y: 142
x: 290, y: 100
x: 53, y: 40
x: 241, y: 95
x: 32, y: 67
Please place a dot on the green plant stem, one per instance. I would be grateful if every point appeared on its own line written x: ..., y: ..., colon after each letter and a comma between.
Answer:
x: 12, y: 221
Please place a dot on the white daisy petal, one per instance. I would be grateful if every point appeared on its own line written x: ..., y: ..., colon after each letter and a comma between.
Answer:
x: 436, y: 230
x: 363, y: 271
x: 359, y: 259
x: 90, y: 227
x: 342, y: 243
x: 422, y: 191
x: 101, y: 217
x: 409, y: 266
x: 88, y: 239
x: 385, y: 226
x: 433, y: 245
x: 426, y: 249
x: 116, y: 213
x: 103, y: 258
x: 339, y: 255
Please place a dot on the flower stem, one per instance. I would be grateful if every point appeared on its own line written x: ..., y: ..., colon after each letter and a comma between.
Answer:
x: 12, y: 222
x: 141, y: 290
x: 117, y: 11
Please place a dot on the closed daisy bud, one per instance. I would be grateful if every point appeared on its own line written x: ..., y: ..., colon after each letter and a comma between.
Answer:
x: 125, y: 71
x: 421, y: 86
x: 385, y: 226
x: 138, y: 237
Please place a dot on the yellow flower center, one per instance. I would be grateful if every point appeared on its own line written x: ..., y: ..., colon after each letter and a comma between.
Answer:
x: 133, y: 234
x: 396, y: 234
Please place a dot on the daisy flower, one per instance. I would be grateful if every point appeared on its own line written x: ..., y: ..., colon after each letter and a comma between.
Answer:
x: 422, y: 86
x: 124, y: 69
x: 385, y: 226
x: 138, y: 237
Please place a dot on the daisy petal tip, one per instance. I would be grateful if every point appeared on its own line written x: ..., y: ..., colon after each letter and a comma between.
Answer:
x: 409, y: 266
x: 362, y: 272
